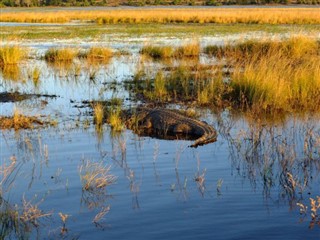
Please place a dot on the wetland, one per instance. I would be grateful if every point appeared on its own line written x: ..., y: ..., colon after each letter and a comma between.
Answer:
x: 71, y: 169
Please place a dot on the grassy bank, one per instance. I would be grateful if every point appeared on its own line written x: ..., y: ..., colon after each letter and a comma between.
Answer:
x: 264, y: 76
x: 164, y: 16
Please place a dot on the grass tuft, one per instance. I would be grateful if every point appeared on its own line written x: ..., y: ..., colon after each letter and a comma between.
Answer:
x: 101, y: 54
x: 95, y: 176
x: 11, y: 55
x: 60, y: 55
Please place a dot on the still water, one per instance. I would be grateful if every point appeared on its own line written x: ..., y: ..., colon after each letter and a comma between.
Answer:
x: 244, y: 186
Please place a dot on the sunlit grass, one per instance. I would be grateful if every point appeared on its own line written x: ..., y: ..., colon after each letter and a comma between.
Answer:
x: 98, y: 110
x: 114, y: 118
x: 60, y: 55
x: 158, y: 52
x: 182, y: 15
x: 98, y: 54
x: 277, y: 76
x: 188, y: 50
x: 95, y: 175
x: 11, y: 55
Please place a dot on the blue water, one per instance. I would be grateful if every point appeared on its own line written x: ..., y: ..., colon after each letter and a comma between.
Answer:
x: 156, y: 195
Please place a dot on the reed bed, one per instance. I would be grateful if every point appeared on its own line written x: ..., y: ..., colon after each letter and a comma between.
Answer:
x: 156, y: 15
x: 264, y: 76
x: 279, y: 76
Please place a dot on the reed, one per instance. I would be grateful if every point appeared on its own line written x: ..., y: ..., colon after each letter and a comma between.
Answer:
x: 60, y: 55
x: 164, y: 16
x: 11, y: 55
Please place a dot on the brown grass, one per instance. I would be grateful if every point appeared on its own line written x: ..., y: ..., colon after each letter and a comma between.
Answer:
x: 20, y: 121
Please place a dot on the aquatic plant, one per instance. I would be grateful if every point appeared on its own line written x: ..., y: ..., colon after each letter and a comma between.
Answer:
x: 19, y: 121
x: 98, y: 110
x: 95, y: 175
x: 34, y: 74
x: 31, y: 213
x: 101, y: 54
x: 191, y: 50
x: 157, y: 52
x: 114, y: 118
x: 99, y: 216
x: 60, y: 55
x: 63, y: 218
x: 11, y: 55
x: 278, y: 76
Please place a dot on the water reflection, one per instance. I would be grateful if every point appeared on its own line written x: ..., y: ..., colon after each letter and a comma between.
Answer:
x: 284, y: 157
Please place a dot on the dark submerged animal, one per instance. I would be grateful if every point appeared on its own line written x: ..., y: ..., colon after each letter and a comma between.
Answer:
x: 166, y: 122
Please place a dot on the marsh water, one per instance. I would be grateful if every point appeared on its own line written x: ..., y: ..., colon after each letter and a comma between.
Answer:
x: 246, y: 185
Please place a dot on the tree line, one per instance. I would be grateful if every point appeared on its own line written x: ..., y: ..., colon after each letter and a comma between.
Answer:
x: 66, y: 3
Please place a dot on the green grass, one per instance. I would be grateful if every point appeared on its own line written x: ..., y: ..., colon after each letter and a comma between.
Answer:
x: 131, y: 30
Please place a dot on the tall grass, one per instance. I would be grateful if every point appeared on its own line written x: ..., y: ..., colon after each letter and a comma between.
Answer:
x: 11, y: 55
x: 156, y: 15
x: 284, y: 76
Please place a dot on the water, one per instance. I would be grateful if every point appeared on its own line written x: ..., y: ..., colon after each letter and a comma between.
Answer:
x: 246, y: 191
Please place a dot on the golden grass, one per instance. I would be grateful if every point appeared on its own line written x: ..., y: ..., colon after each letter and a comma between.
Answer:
x: 19, y: 121
x: 98, y: 110
x: 189, y: 50
x: 95, y: 176
x: 114, y: 118
x: 157, y: 52
x: 98, y: 54
x: 156, y: 15
x: 60, y: 55
x: 11, y: 55
x: 285, y: 76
